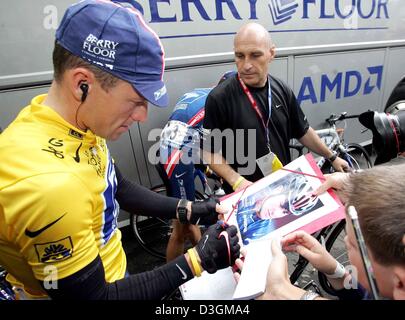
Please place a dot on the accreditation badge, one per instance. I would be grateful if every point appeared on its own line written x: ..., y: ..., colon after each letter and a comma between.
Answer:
x: 269, y: 163
x: 276, y: 164
x: 265, y: 163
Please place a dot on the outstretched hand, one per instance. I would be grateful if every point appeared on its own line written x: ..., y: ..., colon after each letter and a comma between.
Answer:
x: 307, y: 246
x: 336, y: 181
x: 278, y: 280
x: 278, y: 285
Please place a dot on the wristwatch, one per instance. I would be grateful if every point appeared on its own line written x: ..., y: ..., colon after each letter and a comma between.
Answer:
x: 182, y: 211
x: 309, y: 295
x: 333, y: 157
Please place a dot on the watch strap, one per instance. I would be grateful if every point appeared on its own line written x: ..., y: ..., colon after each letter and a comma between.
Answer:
x: 309, y: 295
x: 333, y: 157
x: 182, y: 211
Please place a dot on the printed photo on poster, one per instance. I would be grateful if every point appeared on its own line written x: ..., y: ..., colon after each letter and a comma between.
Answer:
x: 275, y: 205
x: 283, y: 202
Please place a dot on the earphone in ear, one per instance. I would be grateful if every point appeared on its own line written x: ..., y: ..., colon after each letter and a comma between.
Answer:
x: 85, y: 88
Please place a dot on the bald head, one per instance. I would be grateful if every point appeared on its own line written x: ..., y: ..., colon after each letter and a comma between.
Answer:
x: 254, y: 51
x: 254, y: 31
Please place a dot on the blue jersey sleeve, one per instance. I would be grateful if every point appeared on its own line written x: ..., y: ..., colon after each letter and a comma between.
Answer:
x: 180, y: 138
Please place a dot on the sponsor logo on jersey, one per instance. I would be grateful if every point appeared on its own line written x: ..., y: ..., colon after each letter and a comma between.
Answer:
x: 95, y: 160
x: 33, y: 234
x: 75, y: 134
x: 77, y: 156
x: 184, y: 277
x: 54, y: 251
x: 55, y: 147
x: 179, y: 175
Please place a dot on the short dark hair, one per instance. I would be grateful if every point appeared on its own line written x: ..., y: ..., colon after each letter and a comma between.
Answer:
x: 378, y: 196
x: 64, y: 60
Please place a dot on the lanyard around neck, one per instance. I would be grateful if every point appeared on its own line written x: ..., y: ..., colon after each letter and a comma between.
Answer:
x: 256, y: 108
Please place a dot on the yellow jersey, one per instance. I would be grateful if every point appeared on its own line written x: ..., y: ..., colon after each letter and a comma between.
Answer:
x: 57, y: 200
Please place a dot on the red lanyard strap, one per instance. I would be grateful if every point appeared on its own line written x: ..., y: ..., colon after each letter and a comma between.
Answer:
x: 256, y: 108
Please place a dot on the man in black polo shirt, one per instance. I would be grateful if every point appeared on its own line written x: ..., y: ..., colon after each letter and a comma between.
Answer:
x: 258, y: 141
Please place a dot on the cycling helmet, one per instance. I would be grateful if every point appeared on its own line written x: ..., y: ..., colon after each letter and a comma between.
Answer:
x: 300, y: 198
x: 227, y: 75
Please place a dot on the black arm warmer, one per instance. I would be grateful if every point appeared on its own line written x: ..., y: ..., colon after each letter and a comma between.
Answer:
x: 137, y: 199
x: 89, y: 283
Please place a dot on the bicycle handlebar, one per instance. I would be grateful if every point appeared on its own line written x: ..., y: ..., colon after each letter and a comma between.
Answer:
x: 333, y: 118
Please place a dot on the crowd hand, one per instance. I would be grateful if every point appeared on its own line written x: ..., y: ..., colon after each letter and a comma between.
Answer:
x: 278, y: 285
x: 340, y: 165
x: 206, y: 212
x: 335, y: 180
x: 239, y: 262
x: 218, y: 247
x: 307, y: 246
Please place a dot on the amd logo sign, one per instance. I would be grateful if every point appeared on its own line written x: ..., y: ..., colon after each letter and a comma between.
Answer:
x: 344, y: 84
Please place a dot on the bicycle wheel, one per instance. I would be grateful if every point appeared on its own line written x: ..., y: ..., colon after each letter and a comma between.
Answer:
x: 6, y: 290
x: 153, y: 233
x: 358, y: 157
x: 335, y: 245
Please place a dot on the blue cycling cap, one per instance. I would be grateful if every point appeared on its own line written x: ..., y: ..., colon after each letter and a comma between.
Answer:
x: 117, y: 40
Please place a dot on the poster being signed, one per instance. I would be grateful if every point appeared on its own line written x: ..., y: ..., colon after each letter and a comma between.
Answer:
x: 283, y: 202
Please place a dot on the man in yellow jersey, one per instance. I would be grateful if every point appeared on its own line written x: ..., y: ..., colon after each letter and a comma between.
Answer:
x: 60, y: 192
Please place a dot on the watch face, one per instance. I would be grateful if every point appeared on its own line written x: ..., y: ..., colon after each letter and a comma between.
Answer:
x: 333, y: 157
x: 182, y: 213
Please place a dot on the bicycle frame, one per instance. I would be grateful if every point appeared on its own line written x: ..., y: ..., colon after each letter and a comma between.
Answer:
x: 203, y: 178
x: 330, y: 132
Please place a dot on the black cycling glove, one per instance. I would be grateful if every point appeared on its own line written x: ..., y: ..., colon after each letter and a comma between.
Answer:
x: 218, y: 247
x: 203, y: 212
